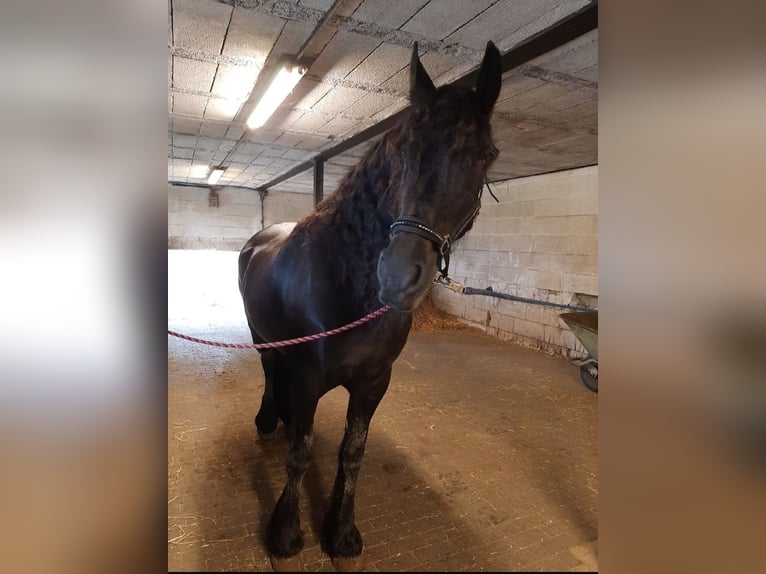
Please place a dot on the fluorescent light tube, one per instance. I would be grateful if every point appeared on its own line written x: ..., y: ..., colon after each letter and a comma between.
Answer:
x: 215, y: 175
x: 282, y: 84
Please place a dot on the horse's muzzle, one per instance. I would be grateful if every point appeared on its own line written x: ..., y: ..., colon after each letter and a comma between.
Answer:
x: 406, y: 268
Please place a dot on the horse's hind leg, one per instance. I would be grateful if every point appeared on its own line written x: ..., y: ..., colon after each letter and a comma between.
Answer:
x: 343, y: 540
x: 267, y: 418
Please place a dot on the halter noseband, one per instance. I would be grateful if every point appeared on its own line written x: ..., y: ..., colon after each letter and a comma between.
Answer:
x: 443, y: 244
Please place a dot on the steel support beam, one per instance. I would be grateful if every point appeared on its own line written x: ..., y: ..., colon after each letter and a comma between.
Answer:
x: 318, y: 180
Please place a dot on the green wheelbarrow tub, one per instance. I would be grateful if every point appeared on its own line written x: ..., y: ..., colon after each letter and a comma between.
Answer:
x: 584, y: 325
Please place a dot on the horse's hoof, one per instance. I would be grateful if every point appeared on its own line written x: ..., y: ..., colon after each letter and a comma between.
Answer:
x: 349, y: 563
x: 291, y: 564
x: 266, y: 436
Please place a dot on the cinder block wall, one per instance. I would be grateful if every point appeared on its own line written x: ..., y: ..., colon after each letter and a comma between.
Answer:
x: 541, y: 242
x: 280, y: 206
x: 193, y: 224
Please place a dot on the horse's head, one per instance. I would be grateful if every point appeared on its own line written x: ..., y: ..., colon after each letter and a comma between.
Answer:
x: 445, y: 150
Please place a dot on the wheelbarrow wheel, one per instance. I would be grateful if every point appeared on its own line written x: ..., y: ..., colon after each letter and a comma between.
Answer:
x: 589, y: 379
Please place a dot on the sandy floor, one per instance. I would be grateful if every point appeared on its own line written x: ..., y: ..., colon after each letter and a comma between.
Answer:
x: 482, y: 456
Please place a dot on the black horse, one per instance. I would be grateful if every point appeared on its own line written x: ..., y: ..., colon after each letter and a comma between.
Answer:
x: 377, y: 240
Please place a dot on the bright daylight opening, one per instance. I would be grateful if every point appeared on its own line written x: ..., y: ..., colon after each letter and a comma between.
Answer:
x: 203, y: 294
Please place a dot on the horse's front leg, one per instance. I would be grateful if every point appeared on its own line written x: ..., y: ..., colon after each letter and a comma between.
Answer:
x: 344, y: 542
x: 285, y: 537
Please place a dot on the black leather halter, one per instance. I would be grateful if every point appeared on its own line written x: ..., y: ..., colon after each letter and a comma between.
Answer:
x: 443, y: 243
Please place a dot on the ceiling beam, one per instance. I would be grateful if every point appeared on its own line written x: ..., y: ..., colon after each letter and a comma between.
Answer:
x: 562, y: 32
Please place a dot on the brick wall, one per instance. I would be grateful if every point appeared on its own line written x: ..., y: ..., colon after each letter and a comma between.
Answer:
x: 540, y: 241
x: 193, y: 224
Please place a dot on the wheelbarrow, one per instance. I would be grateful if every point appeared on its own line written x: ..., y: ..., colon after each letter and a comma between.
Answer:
x: 584, y: 325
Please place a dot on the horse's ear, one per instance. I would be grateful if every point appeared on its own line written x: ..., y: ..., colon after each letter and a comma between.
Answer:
x: 421, y: 87
x: 490, y: 78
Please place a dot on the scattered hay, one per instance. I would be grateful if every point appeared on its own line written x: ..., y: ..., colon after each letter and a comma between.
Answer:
x: 428, y: 318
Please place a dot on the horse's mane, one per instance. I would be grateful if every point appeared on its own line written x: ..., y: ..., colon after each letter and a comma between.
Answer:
x: 354, y: 221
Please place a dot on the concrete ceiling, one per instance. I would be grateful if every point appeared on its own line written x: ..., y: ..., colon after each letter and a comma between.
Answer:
x: 220, y: 53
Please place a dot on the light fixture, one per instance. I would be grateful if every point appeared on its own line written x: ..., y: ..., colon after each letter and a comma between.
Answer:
x: 282, y: 84
x: 215, y: 175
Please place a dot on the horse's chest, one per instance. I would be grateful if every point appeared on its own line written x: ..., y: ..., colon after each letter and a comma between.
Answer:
x: 362, y: 355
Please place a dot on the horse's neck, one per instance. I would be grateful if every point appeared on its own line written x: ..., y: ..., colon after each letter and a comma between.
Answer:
x: 358, y: 218
x: 365, y: 199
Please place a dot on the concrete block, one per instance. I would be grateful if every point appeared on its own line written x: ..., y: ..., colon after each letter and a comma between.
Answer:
x: 252, y: 35
x: 503, y: 322
x: 387, y: 13
x: 310, y: 122
x: 589, y: 74
x: 189, y: 105
x: 484, y: 303
x: 200, y: 25
x: 180, y: 152
x: 479, y: 316
x: 528, y: 329
x: 273, y: 151
x: 264, y: 136
x: 517, y: 209
x: 297, y: 154
x: 181, y: 163
x: 498, y: 20
x: 293, y: 35
x: 509, y: 276
x: 287, y: 140
x: 206, y: 143
x: 399, y: 84
x: 516, y: 83
x: 574, y: 98
x: 554, y: 187
x: 226, y: 145
x: 444, y: 68
x: 220, y: 109
x: 554, y: 12
x: 337, y: 126
x: 385, y: 61
x: 452, y: 303
x: 192, y: 75
x: 371, y: 104
x: 234, y: 82
x: 215, y: 130
x: 508, y: 225
x: 573, y: 56
x: 574, y: 283
x: 312, y: 143
x: 338, y: 100
x: 437, y: 20
x: 202, y: 155
x: 342, y: 54
x: 544, y: 280
x: 400, y: 104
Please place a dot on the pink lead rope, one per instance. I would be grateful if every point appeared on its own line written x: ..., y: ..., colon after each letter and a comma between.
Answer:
x: 288, y: 342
